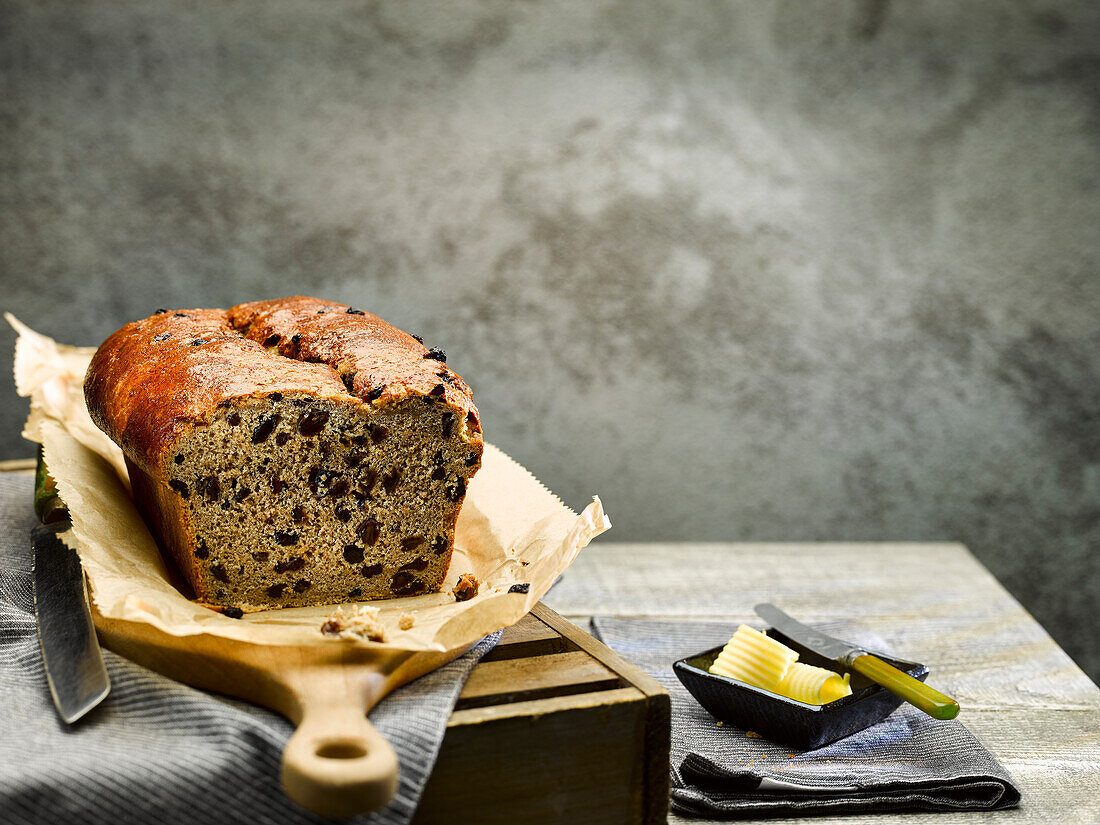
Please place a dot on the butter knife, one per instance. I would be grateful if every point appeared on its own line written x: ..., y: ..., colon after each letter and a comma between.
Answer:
x: 75, y: 671
x: 852, y: 657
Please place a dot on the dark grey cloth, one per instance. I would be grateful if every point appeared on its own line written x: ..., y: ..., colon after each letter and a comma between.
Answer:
x: 157, y: 751
x: 909, y: 762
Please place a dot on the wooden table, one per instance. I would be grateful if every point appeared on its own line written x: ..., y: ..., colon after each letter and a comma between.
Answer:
x: 1021, y: 695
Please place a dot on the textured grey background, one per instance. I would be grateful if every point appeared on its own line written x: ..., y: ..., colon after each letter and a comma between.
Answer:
x: 752, y: 270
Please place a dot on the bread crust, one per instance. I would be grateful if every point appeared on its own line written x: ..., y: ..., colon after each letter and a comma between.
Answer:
x: 154, y: 378
x: 169, y: 519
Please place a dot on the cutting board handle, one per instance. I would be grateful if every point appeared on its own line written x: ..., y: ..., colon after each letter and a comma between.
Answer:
x: 336, y: 764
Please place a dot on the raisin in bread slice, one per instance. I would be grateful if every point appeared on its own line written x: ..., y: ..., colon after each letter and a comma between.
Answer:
x: 290, y: 452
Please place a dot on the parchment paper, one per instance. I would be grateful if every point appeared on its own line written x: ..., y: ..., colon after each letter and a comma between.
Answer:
x: 511, y: 530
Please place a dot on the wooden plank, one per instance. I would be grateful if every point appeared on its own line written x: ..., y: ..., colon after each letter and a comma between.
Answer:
x: 576, y: 764
x: 540, y: 707
x: 657, y: 742
x: 555, y: 674
x: 1060, y: 744
x: 811, y: 580
x: 528, y: 637
x: 598, y: 650
x: 18, y: 465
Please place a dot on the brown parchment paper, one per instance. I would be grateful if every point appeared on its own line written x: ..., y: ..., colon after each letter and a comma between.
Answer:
x: 511, y: 530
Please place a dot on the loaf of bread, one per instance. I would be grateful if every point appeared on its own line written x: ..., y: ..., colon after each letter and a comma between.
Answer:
x: 290, y: 452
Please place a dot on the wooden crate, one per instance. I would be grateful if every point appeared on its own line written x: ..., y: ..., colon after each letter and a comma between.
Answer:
x: 553, y: 727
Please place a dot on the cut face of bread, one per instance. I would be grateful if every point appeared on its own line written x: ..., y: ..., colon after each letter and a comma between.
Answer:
x: 290, y: 452
x: 298, y: 500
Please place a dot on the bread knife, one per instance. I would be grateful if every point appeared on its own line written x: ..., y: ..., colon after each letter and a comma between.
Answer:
x: 74, y: 666
x: 853, y: 657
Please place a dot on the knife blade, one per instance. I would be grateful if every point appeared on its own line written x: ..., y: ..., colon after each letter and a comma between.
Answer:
x: 75, y: 671
x: 850, y: 656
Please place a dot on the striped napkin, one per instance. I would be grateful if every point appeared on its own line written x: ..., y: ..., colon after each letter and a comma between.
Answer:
x: 908, y: 762
x: 159, y: 751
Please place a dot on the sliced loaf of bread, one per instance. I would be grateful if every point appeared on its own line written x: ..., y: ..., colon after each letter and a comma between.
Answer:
x: 290, y: 452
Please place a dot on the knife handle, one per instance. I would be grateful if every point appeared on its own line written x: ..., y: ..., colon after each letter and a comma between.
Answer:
x: 48, y: 505
x: 916, y: 693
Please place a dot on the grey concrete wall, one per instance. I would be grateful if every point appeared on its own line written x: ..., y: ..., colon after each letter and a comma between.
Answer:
x: 752, y: 270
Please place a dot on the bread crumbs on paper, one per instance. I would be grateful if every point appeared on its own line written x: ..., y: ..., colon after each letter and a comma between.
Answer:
x: 362, y: 621
x: 751, y: 734
x: 405, y: 621
x: 466, y: 588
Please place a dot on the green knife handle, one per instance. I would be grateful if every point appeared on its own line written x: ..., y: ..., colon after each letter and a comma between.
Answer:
x: 930, y: 700
x: 48, y: 505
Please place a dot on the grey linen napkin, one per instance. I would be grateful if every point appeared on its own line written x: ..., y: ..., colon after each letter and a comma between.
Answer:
x: 157, y: 751
x: 909, y: 762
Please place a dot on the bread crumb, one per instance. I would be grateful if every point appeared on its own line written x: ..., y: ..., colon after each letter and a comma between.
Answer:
x: 405, y: 621
x: 719, y: 723
x: 751, y: 734
x: 363, y: 622
x: 466, y: 588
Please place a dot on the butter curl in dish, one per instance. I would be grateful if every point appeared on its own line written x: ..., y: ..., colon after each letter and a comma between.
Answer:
x: 784, y: 719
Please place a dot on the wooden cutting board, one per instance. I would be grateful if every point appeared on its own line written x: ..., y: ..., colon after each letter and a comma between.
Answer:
x: 336, y: 764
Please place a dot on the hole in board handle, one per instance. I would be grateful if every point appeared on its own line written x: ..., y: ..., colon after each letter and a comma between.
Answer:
x: 341, y: 750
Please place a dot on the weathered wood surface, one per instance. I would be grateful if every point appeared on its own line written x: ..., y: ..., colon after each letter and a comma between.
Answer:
x: 561, y: 760
x: 1021, y: 695
x: 527, y: 637
x: 553, y: 728
x: 537, y: 677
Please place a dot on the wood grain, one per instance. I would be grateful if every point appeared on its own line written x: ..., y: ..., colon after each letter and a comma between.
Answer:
x: 527, y: 637
x: 573, y: 736
x: 576, y: 757
x: 335, y: 763
x: 1021, y: 695
x: 535, y: 677
x: 656, y: 740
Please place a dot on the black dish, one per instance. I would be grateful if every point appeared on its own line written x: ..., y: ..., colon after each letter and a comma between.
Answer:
x: 788, y: 721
